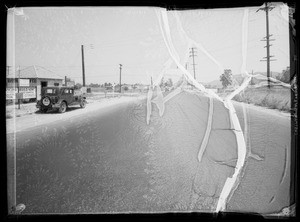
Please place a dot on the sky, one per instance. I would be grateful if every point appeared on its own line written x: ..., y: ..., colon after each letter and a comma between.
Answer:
x: 51, y: 37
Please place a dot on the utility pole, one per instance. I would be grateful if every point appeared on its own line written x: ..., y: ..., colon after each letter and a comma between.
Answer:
x: 8, y: 70
x: 267, y: 39
x: 66, y: 80
x: 19, y: 88
x: 120, y: 78
x: 83, y: 70
x: 193, y: 55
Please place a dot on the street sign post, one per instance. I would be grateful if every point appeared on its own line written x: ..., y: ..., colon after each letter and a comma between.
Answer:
x: 19, y: 96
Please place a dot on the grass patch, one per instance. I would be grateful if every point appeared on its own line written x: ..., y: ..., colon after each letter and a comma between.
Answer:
x: 276, y: 97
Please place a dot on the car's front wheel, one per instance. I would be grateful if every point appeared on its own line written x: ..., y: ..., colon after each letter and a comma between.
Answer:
x: 63, y: 107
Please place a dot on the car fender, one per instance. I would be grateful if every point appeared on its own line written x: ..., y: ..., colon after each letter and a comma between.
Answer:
x: 60, y: 101
x: 80, y: 98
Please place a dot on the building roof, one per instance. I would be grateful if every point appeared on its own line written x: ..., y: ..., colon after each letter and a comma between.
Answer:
x: 35, y: 72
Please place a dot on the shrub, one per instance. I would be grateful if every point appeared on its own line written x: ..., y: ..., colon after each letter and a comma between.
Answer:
x: 275, y: 98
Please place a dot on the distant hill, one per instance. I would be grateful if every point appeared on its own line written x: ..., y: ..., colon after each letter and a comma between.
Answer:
x: 238, y: 77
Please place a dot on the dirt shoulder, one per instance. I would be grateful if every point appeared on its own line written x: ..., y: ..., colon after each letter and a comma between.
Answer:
x: 263, y: 109
x: 278, y: 98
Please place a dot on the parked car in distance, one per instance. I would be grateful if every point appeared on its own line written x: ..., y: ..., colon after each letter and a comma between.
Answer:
x: 60, y: 98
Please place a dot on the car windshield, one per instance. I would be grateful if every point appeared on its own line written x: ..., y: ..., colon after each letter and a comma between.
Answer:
x: 50, y: 91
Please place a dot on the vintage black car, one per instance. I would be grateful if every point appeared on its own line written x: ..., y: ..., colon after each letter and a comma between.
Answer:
x: 59, y: 98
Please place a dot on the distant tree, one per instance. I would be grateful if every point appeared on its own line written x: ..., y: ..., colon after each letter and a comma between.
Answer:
x: 252, y: 82
x: 226, y: 78
x: 78, y: 86
x: 94, y: 85
x: 107, y: 84
x: 125, y: 88
x: 169, y: 83
x: 278, y: 77
x: 285, y: 76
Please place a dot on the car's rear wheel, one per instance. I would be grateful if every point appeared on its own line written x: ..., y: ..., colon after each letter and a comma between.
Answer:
x: 82, y: 103
x: 63, y: 107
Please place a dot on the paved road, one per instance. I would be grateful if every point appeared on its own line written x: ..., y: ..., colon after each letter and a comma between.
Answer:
x: 111, y: 161
x: 265, y: 186
x: 31, y: 116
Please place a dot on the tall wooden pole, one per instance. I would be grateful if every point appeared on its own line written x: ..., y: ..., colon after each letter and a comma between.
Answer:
x: 120, y: 78
x: 268, y: 44
x: 267, y: 39
x: 19, y: 88
x: 193, y: 55
x: 83, y: 70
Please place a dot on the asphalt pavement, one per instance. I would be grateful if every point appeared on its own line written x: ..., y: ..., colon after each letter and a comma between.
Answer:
x: 108, y: 160
x: 266, y: 184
